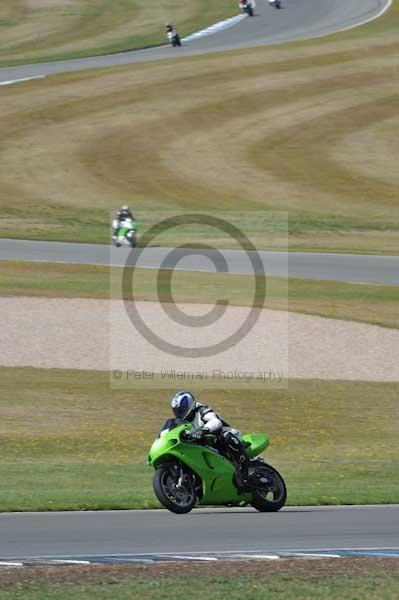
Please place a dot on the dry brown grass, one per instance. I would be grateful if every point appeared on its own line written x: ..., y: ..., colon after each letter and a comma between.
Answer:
x: 293, y: 128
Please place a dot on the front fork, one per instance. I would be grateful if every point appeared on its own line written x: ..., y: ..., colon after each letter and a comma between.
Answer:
x: 185, y: 478
x: 179, y: 483
x: 180, y: 474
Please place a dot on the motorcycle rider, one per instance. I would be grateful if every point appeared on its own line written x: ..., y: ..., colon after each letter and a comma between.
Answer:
x: 204, y: 421
x: 169, y: 29
x: 172, y: 35
x: 121, y: 215
x: 243, y: 4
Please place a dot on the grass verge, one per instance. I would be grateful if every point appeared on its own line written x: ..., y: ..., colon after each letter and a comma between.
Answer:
x: 365, y: 578
x: 376, y: 304
x: 223, y: 583
x: 70, y: 442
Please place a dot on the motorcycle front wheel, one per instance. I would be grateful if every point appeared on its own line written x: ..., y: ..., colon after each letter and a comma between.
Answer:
x: 179, y: 500
x: 272, y: 497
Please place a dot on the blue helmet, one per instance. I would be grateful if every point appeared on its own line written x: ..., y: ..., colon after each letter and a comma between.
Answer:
x: 183, y: 403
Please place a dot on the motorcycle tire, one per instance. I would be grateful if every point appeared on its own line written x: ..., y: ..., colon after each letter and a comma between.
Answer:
x: 162, y: 487
x: 177, y: 41
x: 263, y: 504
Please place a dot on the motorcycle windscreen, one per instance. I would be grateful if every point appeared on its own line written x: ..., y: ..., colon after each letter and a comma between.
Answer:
x: 169, y: 424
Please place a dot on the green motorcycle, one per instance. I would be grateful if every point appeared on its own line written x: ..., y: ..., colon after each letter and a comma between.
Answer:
x: 125, y: 233
x: 189, y: 474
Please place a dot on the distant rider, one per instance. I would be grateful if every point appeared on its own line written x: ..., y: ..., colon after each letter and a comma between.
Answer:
x: 245, y: 3
x: 204, y: 421
x: 122, y: 214
x: 169, y: 29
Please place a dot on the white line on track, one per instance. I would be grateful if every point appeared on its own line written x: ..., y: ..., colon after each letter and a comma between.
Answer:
x: 320, y: 554
x: 12, y: 81
x: 214, y: 28
x: 188, y: 557
x: 262, y: 556
x: 11, y: 564
x: 70, y: 562
x: 373, y: 18
x: 284, y: 551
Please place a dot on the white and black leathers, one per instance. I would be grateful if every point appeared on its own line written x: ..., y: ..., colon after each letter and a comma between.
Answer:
x: 204, y: 419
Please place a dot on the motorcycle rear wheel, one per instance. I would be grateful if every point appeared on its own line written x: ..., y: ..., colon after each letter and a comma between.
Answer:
x: 270, y: 500
x: 177, y: 501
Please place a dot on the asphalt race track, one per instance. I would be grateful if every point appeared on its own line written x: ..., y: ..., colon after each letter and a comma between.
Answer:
x: 355, y: 268
x: 235, y: 530
x: 299, y: 19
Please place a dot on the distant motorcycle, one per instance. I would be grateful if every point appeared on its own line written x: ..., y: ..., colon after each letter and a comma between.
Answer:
x: 126, y: 233
x: 174, y: 38
x: 275, y: 3
x: 247, y: 6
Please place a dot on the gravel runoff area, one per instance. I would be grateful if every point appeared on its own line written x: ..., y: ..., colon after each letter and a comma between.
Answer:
x: 260, y: 569
x: 98, y: 335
